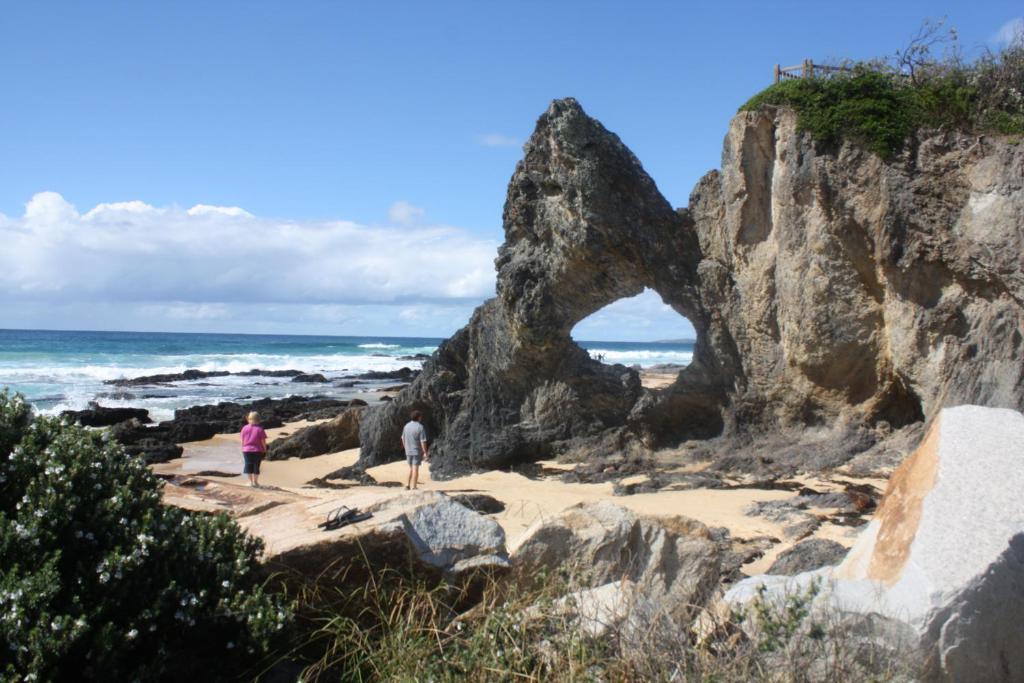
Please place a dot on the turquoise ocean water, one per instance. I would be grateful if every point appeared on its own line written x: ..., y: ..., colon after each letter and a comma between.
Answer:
x: 59, y: 370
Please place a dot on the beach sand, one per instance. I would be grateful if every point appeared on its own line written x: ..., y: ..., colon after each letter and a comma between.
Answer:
x: 526, y: 500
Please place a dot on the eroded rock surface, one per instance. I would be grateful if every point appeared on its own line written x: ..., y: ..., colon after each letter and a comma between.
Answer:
x: 838, y: 301
x: 624, y: 565
x: 944, y: 555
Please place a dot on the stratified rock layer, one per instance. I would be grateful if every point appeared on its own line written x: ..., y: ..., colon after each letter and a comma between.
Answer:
x: 836, y: 297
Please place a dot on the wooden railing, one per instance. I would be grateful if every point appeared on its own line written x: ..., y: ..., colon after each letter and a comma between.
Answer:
x: 807, y: 69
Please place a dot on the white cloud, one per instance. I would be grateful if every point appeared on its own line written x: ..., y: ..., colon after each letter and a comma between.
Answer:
x: 404, y: 213
x: 134, y: 252
x: 208, y: 210
x: 498, y: 140
x: 1010, y: 33
x: 115, y: 209
x: 644, y: 317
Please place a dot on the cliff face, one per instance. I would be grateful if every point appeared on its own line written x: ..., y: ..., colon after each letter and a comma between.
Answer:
x: 836, y: 298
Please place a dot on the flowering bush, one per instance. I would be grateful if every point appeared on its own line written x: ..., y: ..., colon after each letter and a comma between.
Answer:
x: 100, y: 581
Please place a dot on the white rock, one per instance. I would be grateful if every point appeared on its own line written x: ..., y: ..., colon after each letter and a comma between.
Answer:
x: 448, y: 535
x: 945, y: 552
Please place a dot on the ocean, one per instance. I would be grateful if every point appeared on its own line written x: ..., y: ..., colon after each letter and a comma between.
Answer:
x: 65, y: 370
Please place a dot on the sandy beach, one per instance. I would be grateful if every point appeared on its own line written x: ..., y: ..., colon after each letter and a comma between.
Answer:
x: 526, y: 499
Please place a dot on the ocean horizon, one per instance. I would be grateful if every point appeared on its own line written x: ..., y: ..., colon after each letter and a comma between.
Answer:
x: 60, y: 370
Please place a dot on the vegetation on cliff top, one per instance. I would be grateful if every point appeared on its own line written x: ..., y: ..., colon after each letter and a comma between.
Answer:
x: 880, y: 103
x: 100, y: 581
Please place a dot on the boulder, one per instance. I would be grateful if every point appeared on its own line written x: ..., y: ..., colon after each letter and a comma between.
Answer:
x: 339, y: 434
x: 944, y: 555
x: 479, y: 502
x: 808, y: 555
x: 99, y: 416
x: 452, y: 537
x: 662, y: 569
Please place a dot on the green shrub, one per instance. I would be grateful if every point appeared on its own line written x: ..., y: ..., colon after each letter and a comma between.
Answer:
x: 100, y: 581
x: 878, y: 105
x: 866, y: 107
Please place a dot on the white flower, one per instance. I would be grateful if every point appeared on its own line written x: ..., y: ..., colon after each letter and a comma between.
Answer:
x: 131, y: 634
x: 225, y: 583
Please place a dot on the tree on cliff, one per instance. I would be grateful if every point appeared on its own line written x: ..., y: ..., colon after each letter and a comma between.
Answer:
x: 99, y: 580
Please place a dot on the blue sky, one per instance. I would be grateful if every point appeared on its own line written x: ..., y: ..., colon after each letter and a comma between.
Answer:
x: 336, y: 146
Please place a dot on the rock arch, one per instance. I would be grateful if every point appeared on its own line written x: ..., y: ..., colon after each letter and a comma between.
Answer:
x: 585, y: 226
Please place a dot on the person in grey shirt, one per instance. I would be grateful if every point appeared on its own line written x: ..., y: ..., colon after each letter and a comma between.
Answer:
x: 414, y: 441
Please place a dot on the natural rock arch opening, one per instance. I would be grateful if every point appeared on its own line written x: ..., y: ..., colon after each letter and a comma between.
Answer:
x: 641, y: 330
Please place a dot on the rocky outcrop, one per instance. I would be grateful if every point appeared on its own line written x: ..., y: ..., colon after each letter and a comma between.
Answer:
x: 192, y: 375
x: 838, y: 301
x: 100, y: 416
x: 339, y: 434
x: 151, y: 443
x: 625, y: 566
x: 944, y: 555
x: 160, y: 443
x: 202, y: 422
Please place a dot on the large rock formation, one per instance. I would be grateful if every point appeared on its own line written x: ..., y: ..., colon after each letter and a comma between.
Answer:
x: 836, y: 297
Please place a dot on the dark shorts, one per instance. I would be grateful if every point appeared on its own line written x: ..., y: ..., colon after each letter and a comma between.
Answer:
x: 414, y: 459
x: 252, y: 462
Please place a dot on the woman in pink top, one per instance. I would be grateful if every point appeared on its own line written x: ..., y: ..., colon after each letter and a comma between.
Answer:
x: 254, y: 447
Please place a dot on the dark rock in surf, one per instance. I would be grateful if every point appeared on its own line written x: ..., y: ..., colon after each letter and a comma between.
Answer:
x: 315, y: 378
x: 192, y: 375
x: 99, y: 416
x: 405, y: 374
x: 186, y: 376
x: 255, y: 372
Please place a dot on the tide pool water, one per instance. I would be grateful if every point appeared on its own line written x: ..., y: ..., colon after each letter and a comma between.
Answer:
x: 64, y: 370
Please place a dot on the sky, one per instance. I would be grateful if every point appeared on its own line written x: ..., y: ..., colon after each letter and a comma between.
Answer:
x: 340, y: 167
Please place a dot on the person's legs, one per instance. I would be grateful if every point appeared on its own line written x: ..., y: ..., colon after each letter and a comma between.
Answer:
x: 247, y: 466
x: 414, y: 475
x: 256, y: 469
